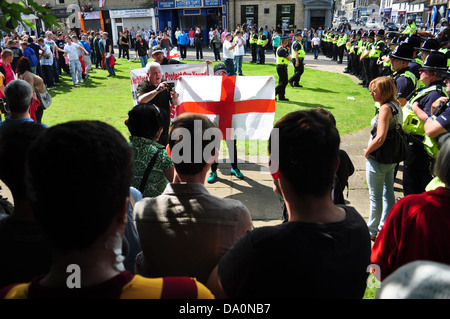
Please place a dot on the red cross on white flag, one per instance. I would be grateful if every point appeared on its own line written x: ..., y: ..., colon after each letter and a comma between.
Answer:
x: 245, y: 104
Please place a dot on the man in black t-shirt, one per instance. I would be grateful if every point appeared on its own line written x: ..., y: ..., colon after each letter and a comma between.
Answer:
x: 155, y: 91
x: 324, y: 249
x: 109, y: 51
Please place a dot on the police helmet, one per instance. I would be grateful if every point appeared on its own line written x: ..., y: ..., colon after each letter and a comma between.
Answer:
x: 436, y: 61
x: 414, y: 41
x: 403, y: 52
x: 430, y: 45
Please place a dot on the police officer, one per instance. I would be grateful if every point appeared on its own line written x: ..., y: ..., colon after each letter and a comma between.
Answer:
x: 340, y: 45
x: 386, y: 69
x: 418, y: 166
x: 416, y: 63
x: 410, y: 28
x: 445, y: 44
x: 428, y: 46
x: 254, y: 45
x: 297, y: 56
x: 404, y: 79
x: 375, y: 53
x: 366, y: 60
x: 262, y: 42
x: 283, y: 60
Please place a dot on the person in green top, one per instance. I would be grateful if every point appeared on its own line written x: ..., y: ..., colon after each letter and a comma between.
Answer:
x: 145, y: 126
x: 410, y: 28
x: 275, y: 42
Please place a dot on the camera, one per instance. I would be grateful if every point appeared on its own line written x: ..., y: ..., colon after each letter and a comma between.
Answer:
x: 441, y: 108
x: 170, y: 86
x: 3, y: 106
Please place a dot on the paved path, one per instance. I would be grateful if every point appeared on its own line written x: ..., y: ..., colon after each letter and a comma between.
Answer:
x: 255, y: 191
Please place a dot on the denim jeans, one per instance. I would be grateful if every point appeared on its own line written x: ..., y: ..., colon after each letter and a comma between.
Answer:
x: 144, y: 60
x: 74, y: 67
x: 316, y: 51
x: 229, y: 64
x: 380, y: 179
x: 110, y: 69
x: 238, y: 64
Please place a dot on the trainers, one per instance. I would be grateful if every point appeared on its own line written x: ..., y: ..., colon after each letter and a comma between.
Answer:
x: 237, y: 173
x: 212, y: 177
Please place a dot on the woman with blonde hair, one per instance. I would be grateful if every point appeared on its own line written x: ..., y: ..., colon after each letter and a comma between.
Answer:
x: 380, y: 174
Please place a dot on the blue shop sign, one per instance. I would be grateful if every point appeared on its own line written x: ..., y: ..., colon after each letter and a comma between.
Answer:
x: 173, y: 4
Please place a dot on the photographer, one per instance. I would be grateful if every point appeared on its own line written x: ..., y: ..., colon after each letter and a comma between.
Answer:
x: 156, y: 91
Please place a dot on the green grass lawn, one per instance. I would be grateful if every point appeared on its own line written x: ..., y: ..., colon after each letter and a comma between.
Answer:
x: 109, y: 99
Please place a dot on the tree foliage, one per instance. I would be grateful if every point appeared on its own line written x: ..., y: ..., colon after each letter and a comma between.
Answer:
x: 11, y: 15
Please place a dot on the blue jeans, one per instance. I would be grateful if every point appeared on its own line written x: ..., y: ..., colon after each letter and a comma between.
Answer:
x: 238, y: 64
x: 144, y: 60
x: 74, y: 67
x: 380, y: 179
x: 229, y: 65
x: 316, y: 51
x: 110, y: 69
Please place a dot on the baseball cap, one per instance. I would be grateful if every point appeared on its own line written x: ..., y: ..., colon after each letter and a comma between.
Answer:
x: 220, y: 67
x: 157, y: 49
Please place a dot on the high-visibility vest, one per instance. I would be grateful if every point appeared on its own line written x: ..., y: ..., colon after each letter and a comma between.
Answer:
x: 411, y: 122
x: 409, y: 75
x: 301, y: 52
x: 410, y: 28
x: 260, y: 40
x: 445, y: 50
x: 253, y: 39
x: 361, y: 44
x: 341, y: 40
x: 375, y: 52
x: 281, y: 60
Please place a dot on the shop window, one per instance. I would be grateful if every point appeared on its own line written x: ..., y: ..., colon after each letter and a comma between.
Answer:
x: 285, y: 16
x: 249, y: 15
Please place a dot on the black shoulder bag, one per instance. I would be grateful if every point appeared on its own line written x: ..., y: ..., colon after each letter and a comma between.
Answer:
x: 393, y: 149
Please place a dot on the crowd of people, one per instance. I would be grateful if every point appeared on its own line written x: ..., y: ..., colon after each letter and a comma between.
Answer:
x: 139, y: 222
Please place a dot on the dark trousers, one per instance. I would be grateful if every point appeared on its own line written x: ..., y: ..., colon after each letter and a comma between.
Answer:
x: 232, y: 154
x: 298, y: 71
x: 216, y: 54
x: 125, y: 52
x: 373, y: 69
x: 335, y: 52
x: 199, y: 51
x: 39, y: 113
x: 120, y: 51
x: 417, y: 167
x: 98, y: 60
x: 229, y: 64
x: 47, y: 72
x: 262, y: 54
x: 282, y: 70
x: 254, y: 53
x: 366, y: 64
x: 341, y: 53
x: 183, y: 48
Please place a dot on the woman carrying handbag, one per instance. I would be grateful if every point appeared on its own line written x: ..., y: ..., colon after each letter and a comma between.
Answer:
x: 386, y: 148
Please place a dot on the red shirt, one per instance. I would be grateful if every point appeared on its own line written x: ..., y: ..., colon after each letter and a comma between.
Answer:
x: 9, y: 75
x: 417, y: 228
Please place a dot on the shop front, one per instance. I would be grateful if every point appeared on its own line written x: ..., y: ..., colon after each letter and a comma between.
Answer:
x: 131, y: 18
x: 186, y: 14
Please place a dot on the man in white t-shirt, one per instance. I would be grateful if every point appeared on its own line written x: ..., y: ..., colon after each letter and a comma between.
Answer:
x: 315, y: 43
x: 238, y: 52
x: 228, y: 53
x: 71, y: 51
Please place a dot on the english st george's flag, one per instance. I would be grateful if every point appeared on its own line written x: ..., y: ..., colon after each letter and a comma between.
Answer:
x: 244, y: 103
